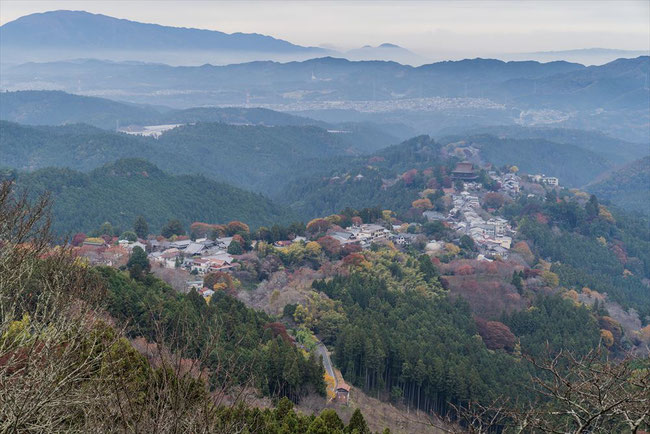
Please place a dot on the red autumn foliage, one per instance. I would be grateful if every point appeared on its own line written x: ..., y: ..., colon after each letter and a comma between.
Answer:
x: 433, y: 183
x: 356, y: 220
x: 330, y: 245
x: 541, y: 218
x: 492, y: 268
x: 532, y: 272
x: 465, y: 270
x: 318, y: 225
x: 204, y: 229
x: 409, y: 176
x: 350, y: 248
x: 355, y: 259
x: 495, y: 334
x: 619, y: 250
x: 494, y: 200
x: 278, y: 329
x: 78, y: 239
x: 237, y: 226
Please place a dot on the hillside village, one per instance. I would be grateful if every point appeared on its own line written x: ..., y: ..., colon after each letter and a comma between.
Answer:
x: 469, y: 214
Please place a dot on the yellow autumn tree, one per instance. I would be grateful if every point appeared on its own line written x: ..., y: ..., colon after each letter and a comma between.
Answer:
x: 313, y: 249
x: 644, y: 334
x: 607, y: 338
x: 522, y: 248
x: 550, y: 279
x: 422, y: 204
x: 572, y: 294
x: 605, y: 214
x: 452, y: 249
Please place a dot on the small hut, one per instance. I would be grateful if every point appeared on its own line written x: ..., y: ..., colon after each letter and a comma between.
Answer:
x: 342, y: 393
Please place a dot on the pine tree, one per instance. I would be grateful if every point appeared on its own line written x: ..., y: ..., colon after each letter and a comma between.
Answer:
x: 173, y: 227
x: 592, y: 208
x: 357, y: 424
x: 140, y: 227
x: 138, y: 264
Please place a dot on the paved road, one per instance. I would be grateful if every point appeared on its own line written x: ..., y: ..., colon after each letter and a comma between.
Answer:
x: 322, y: 350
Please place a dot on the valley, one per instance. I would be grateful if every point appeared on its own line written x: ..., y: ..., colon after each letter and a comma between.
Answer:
x: 334, y: 218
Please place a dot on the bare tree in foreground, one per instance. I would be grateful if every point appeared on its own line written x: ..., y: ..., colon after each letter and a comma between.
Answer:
x: 63, y: 367
x: 587, y: 394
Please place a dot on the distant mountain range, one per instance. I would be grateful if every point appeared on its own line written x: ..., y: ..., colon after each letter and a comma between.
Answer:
x: 68, y: 34
x: 586, y: 56
x: 611, y: 98
x: 60, y: 108
x: 386, y: 51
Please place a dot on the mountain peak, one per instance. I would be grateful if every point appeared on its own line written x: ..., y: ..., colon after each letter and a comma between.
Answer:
x: 81, y: 31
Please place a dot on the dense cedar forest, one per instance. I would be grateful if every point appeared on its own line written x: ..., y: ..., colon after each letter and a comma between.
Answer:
x: 246, y: 342
x: 400, y: 336
x: 118, y: 193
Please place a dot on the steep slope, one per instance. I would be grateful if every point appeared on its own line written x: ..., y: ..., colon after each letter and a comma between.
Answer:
x: 628, y: 187
x: 121, y: 191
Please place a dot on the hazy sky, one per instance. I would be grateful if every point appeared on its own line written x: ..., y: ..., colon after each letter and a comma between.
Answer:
x: 432, y: 28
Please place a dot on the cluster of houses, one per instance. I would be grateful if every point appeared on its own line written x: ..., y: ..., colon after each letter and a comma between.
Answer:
x: 546, y: 180
x: 364, y: 235
x: 493, y: 236
x: 200, y: 256
x: 510, y: 183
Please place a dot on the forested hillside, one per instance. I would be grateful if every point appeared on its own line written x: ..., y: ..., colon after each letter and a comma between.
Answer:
x: 365, y: 181
x: 58, y: 108
x: 121, y: 191
x: 254, y: 157
x: 613, y: 149
x: 94, y: 350
x: 573, y: 165
x: 589, y: 246
x: 627, y: 187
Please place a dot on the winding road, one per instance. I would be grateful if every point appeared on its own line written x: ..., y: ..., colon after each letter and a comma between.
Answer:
x: 322, y: 350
